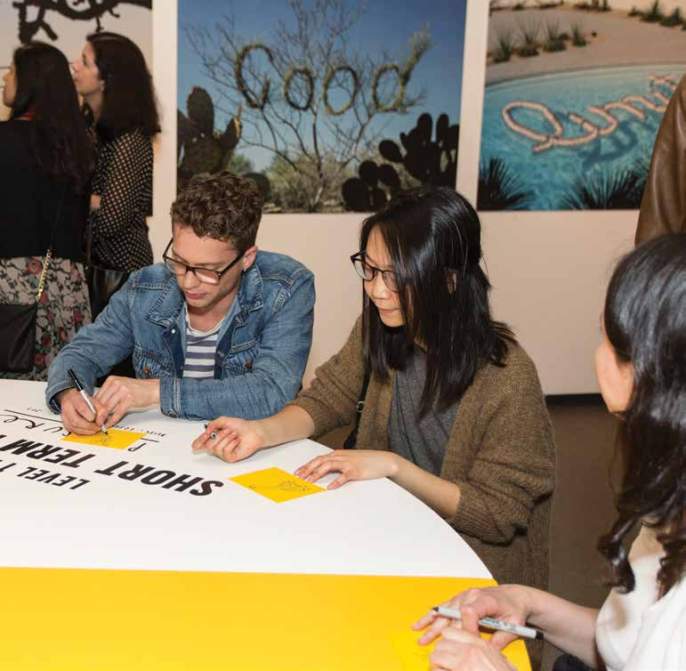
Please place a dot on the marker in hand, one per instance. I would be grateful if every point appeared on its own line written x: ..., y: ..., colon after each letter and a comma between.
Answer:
x: 79, y: 387
x: 491, y: 623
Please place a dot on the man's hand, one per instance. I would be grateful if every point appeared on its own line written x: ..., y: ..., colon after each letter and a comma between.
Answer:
x: 120, y: 394
x: 77, y: 417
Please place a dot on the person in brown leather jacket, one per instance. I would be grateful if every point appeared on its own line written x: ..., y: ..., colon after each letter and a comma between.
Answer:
x: 663, y: 206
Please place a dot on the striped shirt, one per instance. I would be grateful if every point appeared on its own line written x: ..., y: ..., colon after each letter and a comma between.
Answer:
x: 201, y: 348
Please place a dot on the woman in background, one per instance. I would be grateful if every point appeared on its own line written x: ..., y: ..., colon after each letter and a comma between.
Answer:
x: 641, y: 370
x: 453, y: 409
x: 116, y: 87
x: 45, y: 164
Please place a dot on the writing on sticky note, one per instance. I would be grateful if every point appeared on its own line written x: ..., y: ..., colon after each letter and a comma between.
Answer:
x: 277, y: 484
x: 117, y: 439
x: 411, y: 655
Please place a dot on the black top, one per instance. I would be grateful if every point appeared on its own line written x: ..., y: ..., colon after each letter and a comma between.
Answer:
x: 29, y: 201
x: 123, y: 179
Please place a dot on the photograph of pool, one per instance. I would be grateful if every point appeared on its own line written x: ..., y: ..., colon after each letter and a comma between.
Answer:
x: 573, y: 100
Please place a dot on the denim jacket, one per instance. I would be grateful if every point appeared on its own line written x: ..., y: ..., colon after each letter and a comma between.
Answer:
x: 261, y: 351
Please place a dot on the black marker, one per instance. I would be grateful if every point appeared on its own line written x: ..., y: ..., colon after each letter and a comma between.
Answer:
x: 79, y: 387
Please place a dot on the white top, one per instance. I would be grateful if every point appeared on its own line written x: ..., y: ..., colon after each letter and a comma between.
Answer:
x: 637, y: 631
x: 136, y: 517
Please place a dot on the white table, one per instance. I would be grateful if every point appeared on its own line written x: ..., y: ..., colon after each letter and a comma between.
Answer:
x: 99, y: 571
x: 372, y: 527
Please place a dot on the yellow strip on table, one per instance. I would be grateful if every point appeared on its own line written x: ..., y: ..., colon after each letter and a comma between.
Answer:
x: 107, y: 620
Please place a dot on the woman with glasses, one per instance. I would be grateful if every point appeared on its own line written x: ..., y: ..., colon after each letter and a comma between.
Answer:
x: 451, y: 406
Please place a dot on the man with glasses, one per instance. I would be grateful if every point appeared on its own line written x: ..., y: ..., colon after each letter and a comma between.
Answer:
x: 218, y: 328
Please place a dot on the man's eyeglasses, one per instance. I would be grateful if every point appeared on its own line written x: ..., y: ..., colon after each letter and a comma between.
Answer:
x: 368, y: 272
x: 206, y: 275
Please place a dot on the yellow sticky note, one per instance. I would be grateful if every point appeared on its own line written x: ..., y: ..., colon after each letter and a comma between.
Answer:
x: 277, y: 484
x: 412, y: 656
x: 115, y: 438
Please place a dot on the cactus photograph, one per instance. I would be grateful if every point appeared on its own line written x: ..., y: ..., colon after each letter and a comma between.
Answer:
x: 575, y: 93
x: 329, y: 105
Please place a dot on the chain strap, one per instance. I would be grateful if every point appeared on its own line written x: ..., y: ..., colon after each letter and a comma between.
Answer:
x: 48, y: 254
x: 44, y: 272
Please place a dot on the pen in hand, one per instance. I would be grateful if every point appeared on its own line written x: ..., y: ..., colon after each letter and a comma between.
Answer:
x: 491, y: 623
x: 79, y: 387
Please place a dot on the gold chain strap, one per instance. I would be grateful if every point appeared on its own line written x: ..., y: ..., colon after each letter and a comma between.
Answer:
x: 44, y: 272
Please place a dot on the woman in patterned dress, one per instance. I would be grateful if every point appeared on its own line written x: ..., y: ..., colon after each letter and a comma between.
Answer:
x: 46, y: 161
x: 118, y: 95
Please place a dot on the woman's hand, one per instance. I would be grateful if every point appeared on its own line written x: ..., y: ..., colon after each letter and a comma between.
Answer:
x: 95, y: 201
x: 460, y: 650
x: 505, y: 602
x: 352, y: 465
x: 230, y: 438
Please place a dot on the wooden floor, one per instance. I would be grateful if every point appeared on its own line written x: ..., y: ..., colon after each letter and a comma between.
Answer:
x: 583, y: 504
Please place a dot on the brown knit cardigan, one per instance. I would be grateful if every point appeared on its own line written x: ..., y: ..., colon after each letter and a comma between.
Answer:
x: 500, y: 452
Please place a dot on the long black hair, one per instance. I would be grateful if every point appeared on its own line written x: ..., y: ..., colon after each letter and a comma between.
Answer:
x: 645, y: 322
x: 129, y: 97
x: 46, y: 94
x: 433, y: 237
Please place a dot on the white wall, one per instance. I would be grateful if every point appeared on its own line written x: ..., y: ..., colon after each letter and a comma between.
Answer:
x: 549, y: 269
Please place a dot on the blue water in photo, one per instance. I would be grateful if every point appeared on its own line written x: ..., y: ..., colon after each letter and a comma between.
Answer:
x: 550, y: 174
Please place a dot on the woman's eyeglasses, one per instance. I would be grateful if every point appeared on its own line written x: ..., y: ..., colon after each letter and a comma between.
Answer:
x: 206, y: 275
x: 368, y: 272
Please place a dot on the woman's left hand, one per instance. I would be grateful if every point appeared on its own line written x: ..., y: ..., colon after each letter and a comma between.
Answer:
x: 461, y: 650
x: 352, y: 465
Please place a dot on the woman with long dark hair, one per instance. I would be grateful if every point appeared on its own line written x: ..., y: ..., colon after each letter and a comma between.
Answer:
x: 641, y: 370
x: 46, y: 161
x: 119, y: 101
x: 453, y: 410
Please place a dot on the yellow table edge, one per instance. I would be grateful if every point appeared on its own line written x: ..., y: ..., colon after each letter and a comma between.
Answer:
x: 98, y: 619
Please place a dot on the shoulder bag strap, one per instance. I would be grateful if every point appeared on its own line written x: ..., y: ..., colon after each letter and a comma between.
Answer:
x: 48, y: 253
x: 351, y: 440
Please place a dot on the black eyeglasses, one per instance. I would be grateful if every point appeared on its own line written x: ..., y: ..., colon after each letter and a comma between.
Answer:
x: 206, y: 275
x: 368, y: 272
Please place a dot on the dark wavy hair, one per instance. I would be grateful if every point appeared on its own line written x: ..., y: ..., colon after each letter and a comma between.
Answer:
x: 45, y: 91
x: 433, y: 237
x: 129, y: 97
x: 645, y: 322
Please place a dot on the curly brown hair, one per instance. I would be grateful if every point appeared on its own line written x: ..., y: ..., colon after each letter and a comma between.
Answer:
x: 222, y: 206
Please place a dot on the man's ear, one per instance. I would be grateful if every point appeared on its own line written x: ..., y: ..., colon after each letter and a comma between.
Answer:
x: 248, y: 257
x: 451, y: 277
